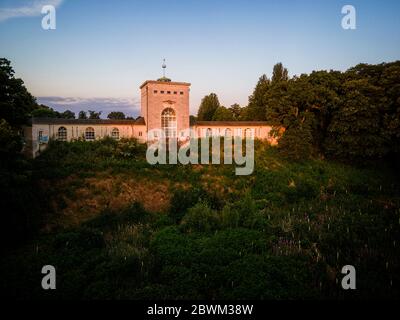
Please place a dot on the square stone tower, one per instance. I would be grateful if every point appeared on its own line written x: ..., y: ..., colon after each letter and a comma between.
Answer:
x: 165, y: 105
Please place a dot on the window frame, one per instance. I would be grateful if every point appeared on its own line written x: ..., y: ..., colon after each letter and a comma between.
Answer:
x: 89, y: 131
x: 115, y: 134
x: 169, y: 123
x: 64, y: 136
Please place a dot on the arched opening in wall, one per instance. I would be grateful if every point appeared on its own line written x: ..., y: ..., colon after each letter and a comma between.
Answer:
x: 228, y: 133
x: 168, y: 123
x: 248, y: 133
x: 209, y: 133
x: 89, y: 134
x: 115, y: 134
x: 62, y: 134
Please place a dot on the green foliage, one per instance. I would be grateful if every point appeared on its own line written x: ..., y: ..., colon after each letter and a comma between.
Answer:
x: 116, y: 115
x: 94, y: 115
x: 243, y: 213
x: 351, y: 116
x: 209, y: 105
x: 16, y: 103
x: 297, y: 142
x: 64, y: 158
x: 182, y: 200
x: 45, y: 112
x: 279, y: 73
x: 200, y: 218
x: 192, y: 120
x: 135, y: 213
x: 82, y: 240
x: 284, y: 233
x: 360, y: 127
x: 222, y: 114
x: 236, y: 111
x: 68, y: 114
x: 10, y: 141
x: 172, y: 247
x: 257, y: 105
x: 82, y: 115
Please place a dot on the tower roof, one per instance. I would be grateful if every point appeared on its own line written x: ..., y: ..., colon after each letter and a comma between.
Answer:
x: 165, y: 83
x: 164, y: 79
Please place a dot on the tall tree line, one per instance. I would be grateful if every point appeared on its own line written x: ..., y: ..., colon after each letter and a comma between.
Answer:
x: 352, y: 115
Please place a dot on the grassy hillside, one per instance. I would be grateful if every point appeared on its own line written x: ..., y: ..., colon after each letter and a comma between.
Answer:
x: 116, y: 227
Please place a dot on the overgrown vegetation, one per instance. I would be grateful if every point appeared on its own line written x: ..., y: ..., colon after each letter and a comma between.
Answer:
x: 283, y: 233
x: 116, y: 227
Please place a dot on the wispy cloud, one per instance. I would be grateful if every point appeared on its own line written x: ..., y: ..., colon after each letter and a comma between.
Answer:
x: 30, y: 8
x: 129, y: 106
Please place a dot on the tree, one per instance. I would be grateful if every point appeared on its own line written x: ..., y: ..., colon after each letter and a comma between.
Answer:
x: 290, y: 104
x: 68, y: 114
x: 279, y: 73
x: 356, y: 130
x: 297, y: 141
x: 82, y: 115
x: 245, y: 114
x: 192, y: 120
x: 209, y: 104
x: 326, y: 89
x: 389, y: 81
x: 45, y: 112
x: 257, y: 105
x: 351, y: 116
x: 16, y: 103
x: 279, y: 110
x: 10, y: 141
x: 94, y: 115
x: 236, y: 110
x: 223, y: 114
x: 116, y: 115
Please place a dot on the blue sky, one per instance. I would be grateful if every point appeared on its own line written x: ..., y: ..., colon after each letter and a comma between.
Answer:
x: 102, y: 51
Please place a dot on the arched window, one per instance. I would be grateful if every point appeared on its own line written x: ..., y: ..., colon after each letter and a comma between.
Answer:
x: 168, y: 122
x: 228, y: 133
x: 208, y: 133
x: 62, y: 134
x: 115, y: 134
x: 248, y: 133
x: 89, y: 134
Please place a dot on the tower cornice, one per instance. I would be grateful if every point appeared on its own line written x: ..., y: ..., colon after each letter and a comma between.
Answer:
x: 165, y: 83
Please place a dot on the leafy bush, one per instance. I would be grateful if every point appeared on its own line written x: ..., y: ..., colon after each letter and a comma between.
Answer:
x: 182, y: 200
x: 200, y: 218
x: 283, y: 233
x: 82, y: 239
x: 297, y: 143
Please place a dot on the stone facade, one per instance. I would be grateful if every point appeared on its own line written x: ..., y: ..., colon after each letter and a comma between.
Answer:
x: 164, y: 108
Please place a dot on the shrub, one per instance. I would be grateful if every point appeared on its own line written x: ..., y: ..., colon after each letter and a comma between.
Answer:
x: 170, y: 246
x: 230, y: 218
x: 296, y: 143
x: 10, y: 141
x: 200, y: 218
x: 82, y: 239
x: 182, y: 200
